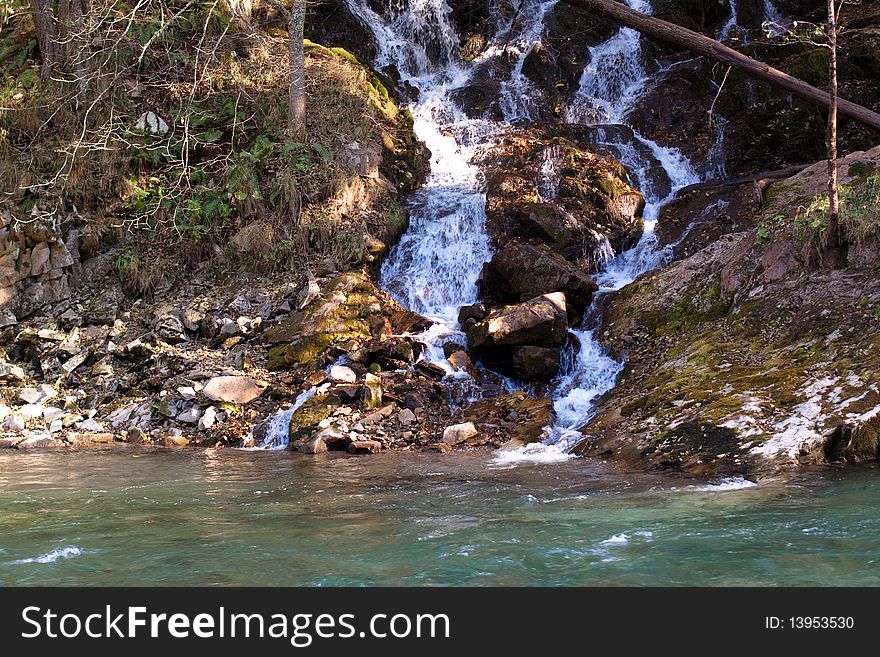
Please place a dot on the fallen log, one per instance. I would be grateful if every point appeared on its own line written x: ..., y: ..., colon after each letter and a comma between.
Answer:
x: 778, y: 174
x: 657, y: 28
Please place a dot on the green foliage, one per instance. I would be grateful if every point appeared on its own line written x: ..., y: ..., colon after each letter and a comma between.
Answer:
x: 126, y: 262
x: 859, y: 213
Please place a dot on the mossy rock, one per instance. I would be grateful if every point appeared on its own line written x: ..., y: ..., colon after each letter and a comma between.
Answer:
x: 350, y: 308
x: 305, y: 420
x: 865, y: 442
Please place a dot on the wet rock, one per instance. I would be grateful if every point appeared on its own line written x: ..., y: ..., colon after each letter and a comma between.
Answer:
x: 539, y: 321
x: 536, y: 363
x: 314, y: 446
x: 7, y: 443
x: 475, y: 312
x: 233, y: 389
x: 549, y: 184
x: 310, y: 416
x: 532, y: 416
x: 136, y: 436
x: 458, y: 433
x: 461, y: 362
x: 342, y: 374
x: 365, y: 447
x: 519, y: 272
x: 175, y: 441
x: 545, y: 222
x: 372, y: 391
x: 432, y: 370
x: 88, y: 439
x: 38, y: 442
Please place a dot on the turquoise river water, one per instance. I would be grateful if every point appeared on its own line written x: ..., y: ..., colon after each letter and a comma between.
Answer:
x: 226, y: 517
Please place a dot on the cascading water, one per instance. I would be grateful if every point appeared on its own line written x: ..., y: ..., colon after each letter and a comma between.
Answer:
x: 517, y: 97
x: 615, y: 78
x: 433, y: 270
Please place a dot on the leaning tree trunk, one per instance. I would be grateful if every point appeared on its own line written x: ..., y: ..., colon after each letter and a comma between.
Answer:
x: 661, y: 30
x: 831, y: 138
x: 296, y: 111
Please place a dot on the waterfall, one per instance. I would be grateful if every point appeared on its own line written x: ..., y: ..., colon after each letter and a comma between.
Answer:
x: 731, y: 23
x: 516, y: 98
x: 615, y: 78
x: 434, y: 268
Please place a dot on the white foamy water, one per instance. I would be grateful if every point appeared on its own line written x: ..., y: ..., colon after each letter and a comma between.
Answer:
x: 434, y: 268
x: 278, y: 424
x: 614, y: 78
x: 68, y: 552
x: 726, y: 484
x: 518, y: 96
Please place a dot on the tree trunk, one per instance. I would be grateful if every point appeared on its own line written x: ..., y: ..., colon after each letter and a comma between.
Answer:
x: 668, y: 32
x: 296, y: 110
x: 42, y: 12
x: 831, y: 138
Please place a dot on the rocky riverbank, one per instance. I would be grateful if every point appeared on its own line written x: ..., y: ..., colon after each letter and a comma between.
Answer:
x: 756, y: 349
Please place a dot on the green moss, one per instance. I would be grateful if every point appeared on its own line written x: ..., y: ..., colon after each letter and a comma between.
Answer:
x: 812, y: 67
x: 865, y: 441
x: 860, y: 170
x: 307, y: 417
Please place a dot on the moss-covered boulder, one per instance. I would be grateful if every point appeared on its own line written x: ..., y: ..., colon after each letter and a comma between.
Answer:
x: 552, y: 177
x: 305, y: 420
x: 350, y: 309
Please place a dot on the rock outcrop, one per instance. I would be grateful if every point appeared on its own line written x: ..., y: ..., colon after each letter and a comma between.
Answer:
x: 761, y: 350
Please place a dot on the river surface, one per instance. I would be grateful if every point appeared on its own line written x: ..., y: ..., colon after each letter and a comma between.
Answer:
x: 225, y: 517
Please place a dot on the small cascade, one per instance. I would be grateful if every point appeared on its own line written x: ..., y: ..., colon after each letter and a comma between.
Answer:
x: 775, y: 21
x: 548, y: 181
x: 732, y: 22
x: 615, y: 78
x: 277, y: 426
x: 517, y: 97
x: 434, y: 268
